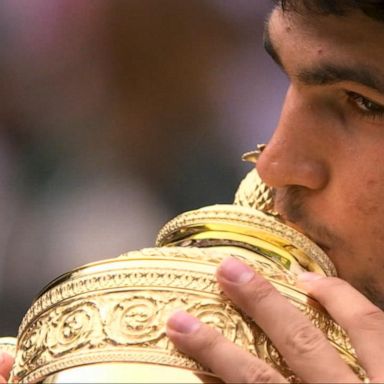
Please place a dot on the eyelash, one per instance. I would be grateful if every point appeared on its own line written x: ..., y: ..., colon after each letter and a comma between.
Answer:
x: 365, y: 106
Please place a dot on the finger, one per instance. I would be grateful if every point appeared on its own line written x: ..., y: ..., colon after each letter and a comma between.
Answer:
x: 213, y: 350
x: 304, y: 347
x: 362, y: 320
x: 6, y: 362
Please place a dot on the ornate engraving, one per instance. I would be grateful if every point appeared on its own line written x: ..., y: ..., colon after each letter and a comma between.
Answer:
x: 248, y: 217
x: 253, y: 193
x: 215, y: 256
x: 136, y: 319
x: 116, y: 310
x: 73, y: 327
x: 96, y: 329
x: 227, y: 320
x: 135, y: 277
x: 120, y: 319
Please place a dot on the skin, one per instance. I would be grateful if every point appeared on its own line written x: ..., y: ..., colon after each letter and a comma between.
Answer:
x: 326, y: 163
x: 325, y: 158
x: 6, y: 362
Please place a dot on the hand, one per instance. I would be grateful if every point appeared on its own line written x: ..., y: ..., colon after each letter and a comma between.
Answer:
x: 6, y: 362
x: 304, y: 347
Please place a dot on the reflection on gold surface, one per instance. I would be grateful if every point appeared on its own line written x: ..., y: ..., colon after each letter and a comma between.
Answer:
x: 105, y: 322
x: 8, y: 344
x: 134, y: 372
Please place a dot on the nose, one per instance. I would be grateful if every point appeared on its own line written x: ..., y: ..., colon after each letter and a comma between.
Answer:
x: 295, y: 154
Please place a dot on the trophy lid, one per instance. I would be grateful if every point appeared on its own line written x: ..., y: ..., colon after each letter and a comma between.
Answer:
x: 251, y: 217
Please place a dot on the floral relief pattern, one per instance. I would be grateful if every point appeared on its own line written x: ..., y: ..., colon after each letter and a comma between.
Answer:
x: 119, y: 315
x: 74, y: 327
x: 130, y: 319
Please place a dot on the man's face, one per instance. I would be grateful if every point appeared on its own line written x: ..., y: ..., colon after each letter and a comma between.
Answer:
x: 326, y: 158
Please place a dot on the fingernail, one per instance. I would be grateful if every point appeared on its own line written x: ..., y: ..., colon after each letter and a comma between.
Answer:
x: 183, y: 322
x: 234, y: 270
x: 309, y: 276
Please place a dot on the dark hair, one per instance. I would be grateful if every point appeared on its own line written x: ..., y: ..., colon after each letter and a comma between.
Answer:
x: 372, y: 8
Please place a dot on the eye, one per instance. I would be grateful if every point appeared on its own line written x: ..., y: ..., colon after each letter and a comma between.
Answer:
x: 366, y: 106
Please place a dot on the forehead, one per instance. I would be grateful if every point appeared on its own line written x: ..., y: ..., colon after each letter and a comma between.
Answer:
x: 352, y: 38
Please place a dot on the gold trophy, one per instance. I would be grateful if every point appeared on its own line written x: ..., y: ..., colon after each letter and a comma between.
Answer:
x: 105, y: 321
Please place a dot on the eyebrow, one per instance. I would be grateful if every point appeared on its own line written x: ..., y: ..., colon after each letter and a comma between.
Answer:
x: 327, y: 73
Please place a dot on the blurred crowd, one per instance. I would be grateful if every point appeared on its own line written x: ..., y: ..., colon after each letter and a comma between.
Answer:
x: 115, y: 116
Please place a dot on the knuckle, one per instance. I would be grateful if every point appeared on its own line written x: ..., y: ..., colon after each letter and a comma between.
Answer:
x: 304, y: 338
x: 327, y: 287
x: 371, y: 319
x: 335, y: 285
x: 258, y: 373
x: 264, y: 291
x: 335, y: 282
x: 209, y: 341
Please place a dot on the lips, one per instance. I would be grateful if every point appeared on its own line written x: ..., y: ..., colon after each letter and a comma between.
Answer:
x: 320, y: 243
x: 325, y: 248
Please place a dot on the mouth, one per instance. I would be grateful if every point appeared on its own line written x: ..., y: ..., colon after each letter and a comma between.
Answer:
x: 325, y: 248
x: 319, y: 242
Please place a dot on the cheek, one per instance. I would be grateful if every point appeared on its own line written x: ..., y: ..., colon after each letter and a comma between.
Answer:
x: 364, y: 206
x: 359, y: 225
x: 359, y: 182
x: 368, y: 202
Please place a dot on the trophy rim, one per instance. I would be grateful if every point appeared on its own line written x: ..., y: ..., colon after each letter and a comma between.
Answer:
x: 255, y: 221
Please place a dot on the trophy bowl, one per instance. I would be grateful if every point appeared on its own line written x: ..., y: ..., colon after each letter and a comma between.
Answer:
x: 105, y: 321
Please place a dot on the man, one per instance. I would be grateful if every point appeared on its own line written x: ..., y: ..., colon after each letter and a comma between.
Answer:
x: 325, y: 161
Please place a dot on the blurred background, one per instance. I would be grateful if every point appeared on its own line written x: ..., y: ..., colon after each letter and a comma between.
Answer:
x: 116, y: 116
